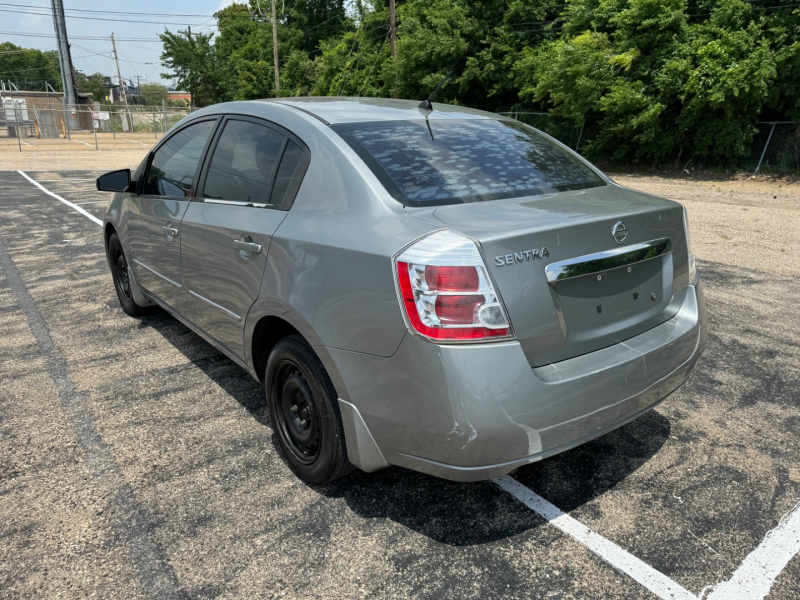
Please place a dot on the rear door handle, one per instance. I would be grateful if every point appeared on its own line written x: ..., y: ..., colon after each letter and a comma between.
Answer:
x: 250, y: 247
x: 170, y: 230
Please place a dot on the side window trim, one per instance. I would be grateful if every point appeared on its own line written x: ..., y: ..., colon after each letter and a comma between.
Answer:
x: 198, y: 169
x: 293, y: 187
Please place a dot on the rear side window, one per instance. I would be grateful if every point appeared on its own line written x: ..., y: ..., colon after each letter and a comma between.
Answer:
x: 464, y: 160
x: 174, y: 164
x: 292, y: 159
x: 244, y: 163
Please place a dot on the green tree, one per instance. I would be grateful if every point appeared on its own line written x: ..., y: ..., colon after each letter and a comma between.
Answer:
x: 651, y: 80
x: 96, y: 84
x: 152, y: 94
x: 193, y: 62
x: 29, y: 69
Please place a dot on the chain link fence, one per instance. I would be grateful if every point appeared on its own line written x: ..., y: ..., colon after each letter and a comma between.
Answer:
x: 775, y: 149
x: 27, y: 128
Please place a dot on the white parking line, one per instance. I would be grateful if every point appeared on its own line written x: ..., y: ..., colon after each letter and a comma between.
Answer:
x: 60, y: 199
x: 134, y: 142
x: 80, y: 142
x: 655, y: 581
x: 754, y: 578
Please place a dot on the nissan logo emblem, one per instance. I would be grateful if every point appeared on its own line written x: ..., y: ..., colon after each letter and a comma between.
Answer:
x: 620, y: 232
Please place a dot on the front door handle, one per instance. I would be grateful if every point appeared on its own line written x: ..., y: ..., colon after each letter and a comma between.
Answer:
x: 170, y: 230
x: 246, y: 246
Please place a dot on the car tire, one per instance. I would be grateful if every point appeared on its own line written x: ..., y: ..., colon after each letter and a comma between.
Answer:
x: 304, y: 411
x: 122, y: 281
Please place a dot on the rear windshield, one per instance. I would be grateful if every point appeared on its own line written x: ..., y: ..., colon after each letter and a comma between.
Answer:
x: 464, y: 160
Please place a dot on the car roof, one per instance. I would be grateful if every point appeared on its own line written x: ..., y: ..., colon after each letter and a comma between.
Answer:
x: 333, y: 110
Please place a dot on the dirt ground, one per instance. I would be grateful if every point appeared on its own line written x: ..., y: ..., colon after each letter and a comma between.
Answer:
x: 742, y: 221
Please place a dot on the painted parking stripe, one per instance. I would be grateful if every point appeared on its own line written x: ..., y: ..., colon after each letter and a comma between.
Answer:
x: 60, y: 199
x: 754, y: 578
x: 655, y: 581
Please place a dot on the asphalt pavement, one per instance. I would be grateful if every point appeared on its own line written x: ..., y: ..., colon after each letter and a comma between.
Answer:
x: 136, y: 461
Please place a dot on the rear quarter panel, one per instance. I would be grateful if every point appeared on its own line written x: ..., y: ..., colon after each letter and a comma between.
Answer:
x: 329, y: 267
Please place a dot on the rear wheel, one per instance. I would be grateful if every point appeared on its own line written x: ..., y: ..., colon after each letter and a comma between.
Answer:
x: 304, y: 410
x: 122, y: 279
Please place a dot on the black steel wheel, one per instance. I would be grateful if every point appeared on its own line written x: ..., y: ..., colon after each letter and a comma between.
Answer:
x: 122, y: 279
x: 304, y: 410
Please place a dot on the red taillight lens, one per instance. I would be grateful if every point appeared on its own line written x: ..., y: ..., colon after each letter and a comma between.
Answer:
x: 447, y: 317
x: 455, y: 279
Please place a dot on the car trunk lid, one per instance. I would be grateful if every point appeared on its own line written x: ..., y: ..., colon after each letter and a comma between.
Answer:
x: 568, y: 285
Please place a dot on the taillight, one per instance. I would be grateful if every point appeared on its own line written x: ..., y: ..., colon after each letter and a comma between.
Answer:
x: 446, y: 291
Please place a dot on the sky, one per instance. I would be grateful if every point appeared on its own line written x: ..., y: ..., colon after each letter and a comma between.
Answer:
x: 138, y: 45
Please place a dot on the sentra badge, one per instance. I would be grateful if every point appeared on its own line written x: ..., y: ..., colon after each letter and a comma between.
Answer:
x: 518, y: 257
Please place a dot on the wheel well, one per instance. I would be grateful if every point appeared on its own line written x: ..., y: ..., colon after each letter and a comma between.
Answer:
x: 268, y: 332
x: 108, y: 231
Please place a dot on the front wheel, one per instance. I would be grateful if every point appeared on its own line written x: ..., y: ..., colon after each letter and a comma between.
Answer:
x: 304, y: 410
x: 122, y: 278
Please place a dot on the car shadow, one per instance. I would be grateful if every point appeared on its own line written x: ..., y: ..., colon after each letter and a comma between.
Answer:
x: 457, y: 514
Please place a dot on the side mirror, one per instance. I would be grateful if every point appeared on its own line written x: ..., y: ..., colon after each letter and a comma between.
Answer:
x: 116, y: 181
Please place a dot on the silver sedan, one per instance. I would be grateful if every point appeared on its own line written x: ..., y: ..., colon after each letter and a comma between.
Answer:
x: 427, y: 286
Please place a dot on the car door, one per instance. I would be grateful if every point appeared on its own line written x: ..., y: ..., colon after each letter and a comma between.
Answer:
x: 226, y: 231
x: 164, y: 194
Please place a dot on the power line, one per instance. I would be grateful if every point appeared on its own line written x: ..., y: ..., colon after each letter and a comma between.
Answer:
x: 107, y: 12
x: 43, y: 14
x: 76, y: 37
x: 377, y: 56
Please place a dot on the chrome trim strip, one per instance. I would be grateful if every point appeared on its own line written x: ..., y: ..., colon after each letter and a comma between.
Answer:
x: 154, y: 272
x: 215, y: 305
x: 590, y: 264
x: 235, y: 203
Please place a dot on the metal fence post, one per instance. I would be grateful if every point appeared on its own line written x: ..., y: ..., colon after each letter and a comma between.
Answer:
x: 94, y: 128
x: 16, y: 122
x: 763, y: 152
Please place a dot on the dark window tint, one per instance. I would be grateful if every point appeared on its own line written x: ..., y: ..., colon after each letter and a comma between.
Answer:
x: 244, y: 163
x: 464, y: 160
x: 289, y: 165
x: 175, y: 163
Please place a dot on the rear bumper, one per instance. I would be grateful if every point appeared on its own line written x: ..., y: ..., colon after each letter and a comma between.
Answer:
x: 469, y: 413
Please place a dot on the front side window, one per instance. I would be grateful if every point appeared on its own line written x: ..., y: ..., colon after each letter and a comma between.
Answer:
x: 451, y: 161
x: 174, y: 164
x: 244, y: 163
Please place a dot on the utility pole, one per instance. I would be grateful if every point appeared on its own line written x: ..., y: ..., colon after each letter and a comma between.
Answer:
x: 275, y: 50
x: 259, y: 17
x: 121, y: 83
x: 65, y: 62
x: 392, y: 27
